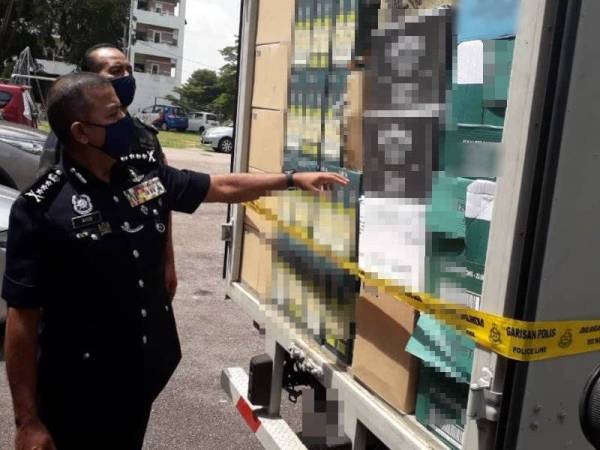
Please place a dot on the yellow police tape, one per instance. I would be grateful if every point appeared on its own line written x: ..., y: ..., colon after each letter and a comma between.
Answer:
x: 514, y: 339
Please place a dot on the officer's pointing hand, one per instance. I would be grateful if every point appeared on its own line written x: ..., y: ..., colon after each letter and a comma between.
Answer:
x: 315, y: 181
x: 33, y: 436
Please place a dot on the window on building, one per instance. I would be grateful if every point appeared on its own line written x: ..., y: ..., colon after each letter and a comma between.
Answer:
x: 157, y: 38
x: 154, y: 69
x: 139, y: 67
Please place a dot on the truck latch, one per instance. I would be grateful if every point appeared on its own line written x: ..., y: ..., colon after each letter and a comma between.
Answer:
x: 484, y: 403
x: 227, y: 232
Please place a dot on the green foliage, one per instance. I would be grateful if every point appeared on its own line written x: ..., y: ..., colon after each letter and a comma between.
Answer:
x: 63, y: 27
x: 199, y: 93
x: 207, y: 91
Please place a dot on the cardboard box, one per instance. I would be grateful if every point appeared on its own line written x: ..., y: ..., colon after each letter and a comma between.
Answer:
x: 353, y: 121
x: 383, y: 328
x: 275, y: 21
x: 256, y: 261
x: 271, y: 73
x: 267, y: 140
x: 353, y: 143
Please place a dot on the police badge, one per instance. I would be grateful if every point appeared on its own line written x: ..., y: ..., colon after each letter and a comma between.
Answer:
x: 82, y: 204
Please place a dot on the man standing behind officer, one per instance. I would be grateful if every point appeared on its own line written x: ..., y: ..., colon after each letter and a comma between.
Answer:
x: 86, y: 264
x: 145, y: 153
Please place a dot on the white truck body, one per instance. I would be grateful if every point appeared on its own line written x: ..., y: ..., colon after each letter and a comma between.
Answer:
x: 540, y: 263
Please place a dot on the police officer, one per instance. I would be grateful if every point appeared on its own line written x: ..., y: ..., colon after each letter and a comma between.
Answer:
x: 145, y: 152
x: 85, y: 262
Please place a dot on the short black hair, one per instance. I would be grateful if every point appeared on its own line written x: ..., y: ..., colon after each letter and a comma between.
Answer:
x: 68, y: 101
x: 89, y: 63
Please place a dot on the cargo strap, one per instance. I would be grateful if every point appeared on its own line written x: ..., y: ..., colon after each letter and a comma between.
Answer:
x: 514, y: 339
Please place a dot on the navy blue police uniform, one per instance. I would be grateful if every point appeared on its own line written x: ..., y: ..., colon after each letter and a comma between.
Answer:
x: 91, y: 255
x: 145, y: 151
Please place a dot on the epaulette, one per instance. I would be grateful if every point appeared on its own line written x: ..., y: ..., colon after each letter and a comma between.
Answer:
x: 152, y: 128
x: 45, y: 188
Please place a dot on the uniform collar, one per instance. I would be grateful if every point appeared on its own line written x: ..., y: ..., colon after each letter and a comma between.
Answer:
x: 83, y: 177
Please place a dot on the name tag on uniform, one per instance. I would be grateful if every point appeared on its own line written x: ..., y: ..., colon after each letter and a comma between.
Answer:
x: 87, y: 220
x: 144, y: 192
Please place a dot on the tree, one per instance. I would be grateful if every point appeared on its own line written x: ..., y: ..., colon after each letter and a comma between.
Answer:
x: 62, y: 27
x: 199, y: 92
x: 207, y: 91
x: 225, y: 104
x: 81, y: 24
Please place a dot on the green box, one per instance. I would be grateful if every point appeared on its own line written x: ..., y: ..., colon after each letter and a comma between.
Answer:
x: 494, y: 115
x: 497, y: 64
x: 460, y: 159
x: 446, y: 211
x: 441, y: 405
x: 467, y: 103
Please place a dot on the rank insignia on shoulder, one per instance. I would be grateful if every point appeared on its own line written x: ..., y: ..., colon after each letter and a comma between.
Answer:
x: 45, y: 187
x: 148, y: 126
x: 148, y: 156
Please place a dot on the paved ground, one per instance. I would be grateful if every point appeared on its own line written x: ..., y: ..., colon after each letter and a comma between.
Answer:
x: 193, y: 412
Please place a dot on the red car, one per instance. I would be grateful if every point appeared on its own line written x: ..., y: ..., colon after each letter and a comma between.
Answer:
x: 16, y: 105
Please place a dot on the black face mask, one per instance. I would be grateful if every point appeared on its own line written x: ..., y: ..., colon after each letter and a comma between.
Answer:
x: 119, y: 136
x: 125, y: 89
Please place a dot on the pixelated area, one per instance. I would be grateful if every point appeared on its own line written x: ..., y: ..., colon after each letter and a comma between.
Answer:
x: 406, y: 98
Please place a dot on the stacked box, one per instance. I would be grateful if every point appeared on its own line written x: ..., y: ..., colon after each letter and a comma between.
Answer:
x: 322, y: 30
x: 351, y: 37
x: 309, y: 287
x: 302, y: 33
x: 446, y: 353
x: 383, y: 327
x: 270, y: 91
x: 405, y: 106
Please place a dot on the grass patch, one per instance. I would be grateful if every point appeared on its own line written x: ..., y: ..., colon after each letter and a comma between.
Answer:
x: 170, y: 139
x: 177, y: 139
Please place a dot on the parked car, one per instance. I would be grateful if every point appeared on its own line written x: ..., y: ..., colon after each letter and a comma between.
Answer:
x: 165, y: 117
x: 7, y: 198
x: 219, y: 138
x: 202, y: 121
x: 16, y: 105
x: 20, y: 151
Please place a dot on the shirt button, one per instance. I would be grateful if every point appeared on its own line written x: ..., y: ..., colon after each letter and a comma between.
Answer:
x: 144, y: 339
x: 155, y: 212
x: 166, y: 307
x: 86, y: 356
x: 116, y: 199
x: 136, y: 254
x: 141, y: 283
x: 144, y: 313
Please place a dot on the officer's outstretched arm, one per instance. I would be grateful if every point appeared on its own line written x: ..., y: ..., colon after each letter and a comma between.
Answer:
x: 243, y: 187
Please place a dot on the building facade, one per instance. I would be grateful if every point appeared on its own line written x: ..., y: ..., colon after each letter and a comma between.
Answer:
x: 156, y: 52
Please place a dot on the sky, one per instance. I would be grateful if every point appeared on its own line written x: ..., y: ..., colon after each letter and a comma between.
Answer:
x: 211, y: 25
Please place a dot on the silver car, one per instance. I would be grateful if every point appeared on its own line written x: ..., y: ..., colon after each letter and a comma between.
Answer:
x: 7, y: 198
x: 20, y: 151
x: 219, y: 138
